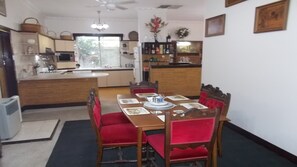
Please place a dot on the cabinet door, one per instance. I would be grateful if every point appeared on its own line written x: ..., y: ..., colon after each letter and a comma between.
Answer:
x: 113, y: 78
x: 132, y: 45
x: 45, y: 42
x: 69, y: 46
x: 29, y: 43
x: 64, y: 45
x: 126, y: 77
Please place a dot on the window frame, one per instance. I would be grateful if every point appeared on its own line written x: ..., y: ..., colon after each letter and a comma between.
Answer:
x: 75, y: 35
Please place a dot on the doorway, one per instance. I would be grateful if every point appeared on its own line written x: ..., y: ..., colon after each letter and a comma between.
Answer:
x: 8, y: 82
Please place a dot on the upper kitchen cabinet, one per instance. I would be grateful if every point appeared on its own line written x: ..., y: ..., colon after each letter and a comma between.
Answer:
x: 127, y: 47
x: 189, y: 51
x: 45, y: 42
x: 64, y: 45
x: 35, y: 43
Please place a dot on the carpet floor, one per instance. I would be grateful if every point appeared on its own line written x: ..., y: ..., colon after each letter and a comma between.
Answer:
x: 76, y: 147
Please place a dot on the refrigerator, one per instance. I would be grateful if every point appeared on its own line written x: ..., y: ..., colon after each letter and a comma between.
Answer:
x: 137, y: 64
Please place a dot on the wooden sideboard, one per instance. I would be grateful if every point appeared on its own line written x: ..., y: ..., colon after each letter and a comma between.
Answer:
x: 180, y: 79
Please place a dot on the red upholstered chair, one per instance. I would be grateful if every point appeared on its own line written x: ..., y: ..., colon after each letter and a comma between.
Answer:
x: 144, y: 87
x: 204, y: 91
x: 188, y: 137
x: 217, y: 99
x: 110, y: 118
x: 109, y: 136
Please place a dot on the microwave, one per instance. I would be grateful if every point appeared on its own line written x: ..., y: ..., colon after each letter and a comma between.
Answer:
x: 65, y: 57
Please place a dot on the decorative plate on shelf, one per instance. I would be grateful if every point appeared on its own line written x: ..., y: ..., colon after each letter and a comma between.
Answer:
x: 133, y: 36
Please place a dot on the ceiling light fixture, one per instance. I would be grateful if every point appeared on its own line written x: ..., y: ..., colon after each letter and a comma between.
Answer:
x: 100, y: 26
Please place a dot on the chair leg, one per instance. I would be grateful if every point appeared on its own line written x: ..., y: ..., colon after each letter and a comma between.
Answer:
x: 150, y: 154
x: 219, y: 138
x: 99, y: 156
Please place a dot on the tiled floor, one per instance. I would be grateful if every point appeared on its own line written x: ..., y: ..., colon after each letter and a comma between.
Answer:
x: 36, y: 154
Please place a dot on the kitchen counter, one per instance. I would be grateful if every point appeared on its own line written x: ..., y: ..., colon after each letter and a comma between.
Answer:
x: 66, y: 88
x: 63, y: 75
x: 176, y: 65
x: 184, y: 79
x: 103, y: 69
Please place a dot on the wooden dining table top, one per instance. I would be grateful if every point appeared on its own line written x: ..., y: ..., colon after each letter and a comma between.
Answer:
x: 149, y: 121
x: 152, y: 121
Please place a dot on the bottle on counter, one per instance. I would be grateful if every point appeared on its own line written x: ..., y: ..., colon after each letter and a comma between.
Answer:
x: 153, y: 49
x: 168, y: 38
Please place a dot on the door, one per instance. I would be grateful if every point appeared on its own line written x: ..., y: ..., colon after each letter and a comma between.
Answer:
x: 7, y: 70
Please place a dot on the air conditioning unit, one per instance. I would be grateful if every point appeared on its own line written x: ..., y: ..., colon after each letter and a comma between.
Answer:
x: 10, y: 117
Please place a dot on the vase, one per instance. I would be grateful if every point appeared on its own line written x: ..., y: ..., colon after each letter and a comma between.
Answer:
x: 155, y: 37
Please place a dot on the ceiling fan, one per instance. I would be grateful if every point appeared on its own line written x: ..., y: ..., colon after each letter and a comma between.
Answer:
x: 114, y: 4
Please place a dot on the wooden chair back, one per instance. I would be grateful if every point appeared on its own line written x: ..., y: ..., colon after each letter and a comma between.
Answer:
x: 204, y: 91
x: 94, y: 111
x: 216, y: 97
x: 192, y: 129
x: 144, y: 87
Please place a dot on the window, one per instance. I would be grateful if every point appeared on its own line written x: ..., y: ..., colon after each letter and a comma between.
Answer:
x: 99, y: 50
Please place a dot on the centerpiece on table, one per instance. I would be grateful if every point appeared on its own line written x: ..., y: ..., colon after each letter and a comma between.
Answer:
x: 155, y: 26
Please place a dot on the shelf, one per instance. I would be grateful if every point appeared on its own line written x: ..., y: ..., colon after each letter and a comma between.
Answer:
x: 189, y: 54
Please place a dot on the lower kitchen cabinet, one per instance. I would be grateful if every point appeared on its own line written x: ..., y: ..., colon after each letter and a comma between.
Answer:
x: 116, y: 78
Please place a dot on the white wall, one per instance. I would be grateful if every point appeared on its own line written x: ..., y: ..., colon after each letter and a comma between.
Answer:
x: 82, y: 25
x: 259, y: 70
x: 17, y: 11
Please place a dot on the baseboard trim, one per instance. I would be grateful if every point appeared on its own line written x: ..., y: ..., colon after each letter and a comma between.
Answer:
x: 266, y: 144
x: 53, y: 105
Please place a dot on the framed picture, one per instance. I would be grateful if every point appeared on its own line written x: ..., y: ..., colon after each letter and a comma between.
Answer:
x: 232, y: 2
x: 2, y: 8
x: 215, y: 26
x: 271, y: 17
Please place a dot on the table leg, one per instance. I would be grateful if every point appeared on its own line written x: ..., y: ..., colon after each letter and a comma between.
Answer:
x: 215, y: 154
x: 139, y: 147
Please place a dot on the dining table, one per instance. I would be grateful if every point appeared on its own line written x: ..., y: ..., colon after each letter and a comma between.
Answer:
x: 145, y: 117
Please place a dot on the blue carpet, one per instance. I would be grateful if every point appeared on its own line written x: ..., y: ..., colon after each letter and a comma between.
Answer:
x: 76, y: 147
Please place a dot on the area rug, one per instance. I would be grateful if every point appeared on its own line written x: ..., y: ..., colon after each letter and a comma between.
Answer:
x: 76, y: 147
x: 34, y: 131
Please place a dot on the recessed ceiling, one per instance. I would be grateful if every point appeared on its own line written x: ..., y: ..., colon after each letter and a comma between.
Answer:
x: 189, y: 10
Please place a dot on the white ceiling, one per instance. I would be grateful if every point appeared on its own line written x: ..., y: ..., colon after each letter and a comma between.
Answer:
x: 191, y: 9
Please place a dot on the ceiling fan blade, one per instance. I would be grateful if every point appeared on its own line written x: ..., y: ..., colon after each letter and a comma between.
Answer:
x: 101, y: 1
x: 121, y: 7
x: 92, y: 6
x: 126, y: 2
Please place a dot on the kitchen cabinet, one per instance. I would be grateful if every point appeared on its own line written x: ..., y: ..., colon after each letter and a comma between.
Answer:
x: 44, y: 43
x: 127, y: 47
x: 161, y: 53
x: 116, y: 78
x: 55, y: 91
x: 64, y: 45
x: 35, y: 43
x: 189, y: 52
x: 184, y: 80
x: 119, y: 78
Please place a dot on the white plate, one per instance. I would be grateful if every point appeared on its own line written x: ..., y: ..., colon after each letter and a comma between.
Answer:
x: 159, y: 104
x: 154, y: 107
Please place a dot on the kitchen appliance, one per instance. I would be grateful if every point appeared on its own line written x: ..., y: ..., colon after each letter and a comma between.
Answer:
x: 137, y: 64
x: 65, y: 56
x: 10, y: 117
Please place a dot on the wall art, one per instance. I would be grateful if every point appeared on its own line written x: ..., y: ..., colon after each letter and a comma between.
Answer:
x: 271, y: 17
x: 215, y: 26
